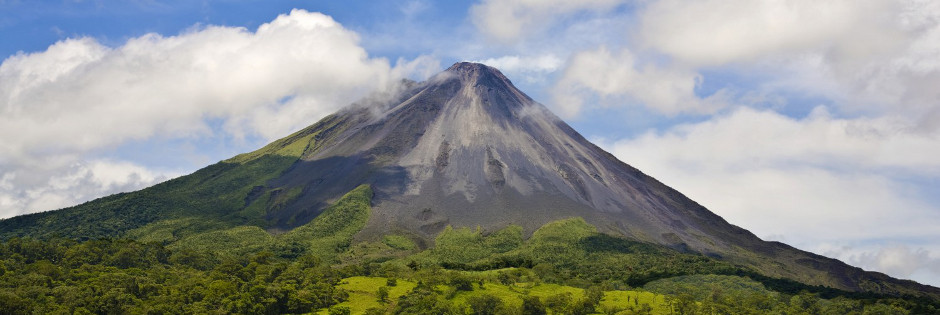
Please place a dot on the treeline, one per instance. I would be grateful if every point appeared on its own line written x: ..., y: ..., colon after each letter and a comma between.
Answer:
x: 565, y: 267
x: 60, y: 276
x: 571, y: 252
x: 121, y: 277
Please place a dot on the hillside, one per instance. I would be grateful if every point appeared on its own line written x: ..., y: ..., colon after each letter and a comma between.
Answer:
x: 565, y: 267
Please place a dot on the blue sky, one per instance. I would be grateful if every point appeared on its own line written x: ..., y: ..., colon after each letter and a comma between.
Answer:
x: 813, y: 123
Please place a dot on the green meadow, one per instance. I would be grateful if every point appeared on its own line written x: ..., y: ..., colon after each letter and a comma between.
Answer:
x: 363, y: 297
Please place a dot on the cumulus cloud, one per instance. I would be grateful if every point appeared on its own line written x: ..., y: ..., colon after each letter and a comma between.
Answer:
x: 47, y: 188
x: 101, y: 96
x: 901, y: 260
x: 868, y: 56
x: 811, y: 180
x: 79, y: 96
x: 749, y: 135
x: 509, y: 21
x: 896, y: 260
x: 627, y: 79
x: 717, y: 32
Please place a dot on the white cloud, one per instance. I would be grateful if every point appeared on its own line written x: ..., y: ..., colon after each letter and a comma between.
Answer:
x: 509, y: 21
x: 625, y: 77
x: 717, y: 32
x: 813, y: 180
x: 896, y: 260
x: 58, y: 187
x: 868, y: 56
x: 532, y: 69
x: 901, y: 260
x: 749, y: 135
x: 543, y: 63
x: 101, y: 96
x: 871, y: 57
x: 78, y: 96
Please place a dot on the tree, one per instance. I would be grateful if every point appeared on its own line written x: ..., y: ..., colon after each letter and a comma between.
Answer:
x: 558, y: 303
x: 684, y: 303
x: 506, y: 278
x: 883, y: 309
x: 461, y: 282
x: 339, y: 310
x: 382, y: 294
x: 582, y: 307
x: 191, y: 258
x: 12, y: 304
x: 545, y: 271
x: 531, y: 305
x: 423, y: 301
x: 485, y: 304
x: 594, y: 294
x: 804, y: 302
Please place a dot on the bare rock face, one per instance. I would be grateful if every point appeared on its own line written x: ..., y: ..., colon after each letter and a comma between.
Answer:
x: 478, y: 152
x: 475, y: 151
x: 466, y: 148
x: 469, y: 149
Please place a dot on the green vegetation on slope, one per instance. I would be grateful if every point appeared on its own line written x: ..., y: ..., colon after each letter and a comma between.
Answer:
x: 331, y: 232
x: 457, y: 247
x: 295, y: 145
x: 326, y: 236
x: 564, y: 268
x: 191, y: 266
x: 568, y: 250
x: 212, y: 198
x: 213, y: 194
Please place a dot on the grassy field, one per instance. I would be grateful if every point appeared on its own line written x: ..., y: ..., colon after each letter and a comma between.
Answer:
x: 363, y: 295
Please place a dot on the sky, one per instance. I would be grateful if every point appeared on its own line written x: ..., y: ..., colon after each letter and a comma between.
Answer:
x: 814, y: 123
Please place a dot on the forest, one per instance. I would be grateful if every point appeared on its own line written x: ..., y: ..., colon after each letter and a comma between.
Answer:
x: 128, y: 277
x: 565, y: 267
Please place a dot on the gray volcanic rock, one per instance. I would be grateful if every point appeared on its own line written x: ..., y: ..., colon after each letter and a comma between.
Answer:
x: 466, y: 148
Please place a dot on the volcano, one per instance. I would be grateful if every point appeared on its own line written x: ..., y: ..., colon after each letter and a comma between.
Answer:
x: 465, y: 148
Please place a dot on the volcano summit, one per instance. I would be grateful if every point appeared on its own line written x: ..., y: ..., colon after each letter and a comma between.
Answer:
x: 464, y: 148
